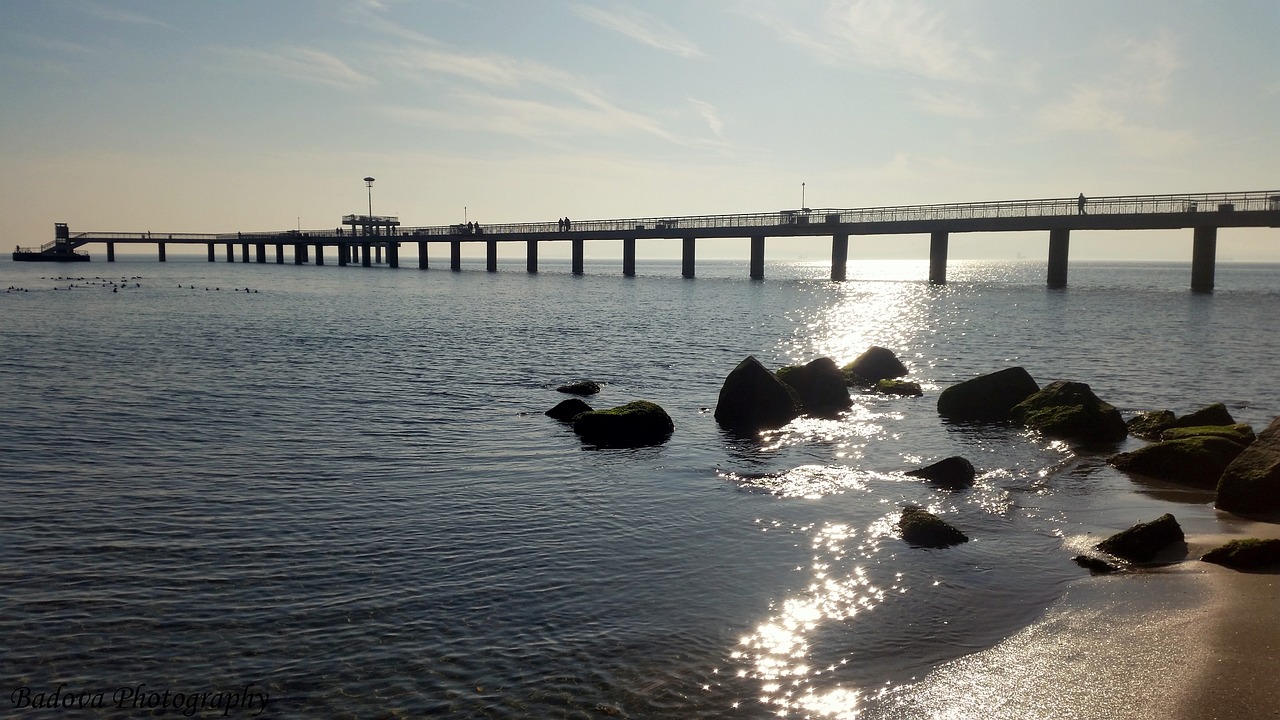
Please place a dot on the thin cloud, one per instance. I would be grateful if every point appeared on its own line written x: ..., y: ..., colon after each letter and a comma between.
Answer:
x: 127, y: 17
x: 641, y: 27
x: 297, y: 64
x: 948, y: 105
x: 708, y: 112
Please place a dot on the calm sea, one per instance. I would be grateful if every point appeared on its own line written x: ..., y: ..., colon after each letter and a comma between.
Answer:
x: 336, y: 486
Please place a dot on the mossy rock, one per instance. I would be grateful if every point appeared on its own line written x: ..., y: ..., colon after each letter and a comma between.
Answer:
x: 754, y: 399
x: 1095, y: 565
x: 987, y: 398
x: 1250, y: 485
x: 1142, y: 541
x: 583, y: 387
x: 1247, y: 554
x: 568, y: 409
x: 899, y: 387
x: 922, y: 528
x: 954, y: 473
x: 1215, y: 414
x: 1198, y: 461
x: 1070, y: 410
x: 1239, y: 433
x: 875, y: 364
x: 635, y: 424
x: 819, y: 385
x: 1149, y: 425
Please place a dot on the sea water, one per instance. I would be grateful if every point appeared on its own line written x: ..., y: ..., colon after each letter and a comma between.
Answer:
x: 334, y: 489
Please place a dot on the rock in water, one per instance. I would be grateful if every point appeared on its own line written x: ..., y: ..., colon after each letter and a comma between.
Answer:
x: 1149, y: 425
x: 820, y: 386
x: 987, y: 397
x: 876, y: 363
x: 568, y: 409
x: 954, y: 472
x: 635, y: 424
x: 1070, y: 410
x: 1198, y: 461
x: 583, y: 387
x: 1251, y: 483
x: 899, y: 387
x: 1247, y: 554
x: 753, y: 399
x: 1142, y: 541
x: 922, y: 528
x: 1215, y: 414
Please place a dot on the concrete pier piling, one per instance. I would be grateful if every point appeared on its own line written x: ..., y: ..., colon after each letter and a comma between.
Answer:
x: 757, y: 257
x: 839, y: 256
x: 687, y: 257
x: 1059, y: 246
x: 938, y: 258
x: 1204, y: 249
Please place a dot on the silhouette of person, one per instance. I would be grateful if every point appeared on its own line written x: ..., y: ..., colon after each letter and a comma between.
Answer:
x: 1080, y: 201
x: 566, y: 223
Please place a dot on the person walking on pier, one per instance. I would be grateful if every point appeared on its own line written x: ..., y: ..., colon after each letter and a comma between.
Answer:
x: 1080, y: 201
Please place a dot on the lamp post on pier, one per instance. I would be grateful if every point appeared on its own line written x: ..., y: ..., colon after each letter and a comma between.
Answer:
x: 368, y: 182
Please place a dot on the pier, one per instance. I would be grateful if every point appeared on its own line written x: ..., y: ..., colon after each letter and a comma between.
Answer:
x: 367, y: 239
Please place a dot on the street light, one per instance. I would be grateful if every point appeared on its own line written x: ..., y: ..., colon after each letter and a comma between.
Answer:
x: 368, y: 182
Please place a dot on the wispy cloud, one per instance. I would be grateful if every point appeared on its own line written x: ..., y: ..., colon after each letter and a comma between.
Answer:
x: 121, y: 15
x: 641, y: 27
x: 708, y: 112
x: 948, y: 105
x: 296, y: 63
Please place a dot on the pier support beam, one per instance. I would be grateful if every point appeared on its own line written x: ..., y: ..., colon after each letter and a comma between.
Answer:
x: 299, y: 254
x: 422, y: 254
x: 629, y: 257
x: 366, y: 255
x: 1204, y: 248
x: 455, y: 255
x: 578, y: 253
x: 211, y: 253
x: 757, y: 258
x: 279, y: 254
x: 344, y: 253
x: 319, y: 254
x: 1059, y: 242
x: 938, y: 258
x: 111, y: 252
x: 839, y: 256
x: 231, y: 252
x: 531, y: 257
x: 261, y: 252
x: 686, y: 258
x: 160, y: 250
x: 244, y: 252
x: 377, y: 253
x: 393, y: 253
x: 491, y: 255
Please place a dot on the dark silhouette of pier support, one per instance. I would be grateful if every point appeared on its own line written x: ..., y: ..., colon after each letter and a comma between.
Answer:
x: 629, y: 257
x: 160, y: 251
x: 757, y: 257
x: 455, y: 255
x: 491, y: 255
x: 531, y: 257
x: 687, y: 257
x: 231, y: 252
x: 839, y: 256
x: 422, y: 254
x: 244, y: 252
x: 393, y: 253
x: 211, y: 252
x: 344, y: 252
x: 260, y: 253
x: 579, y: 253
x: 1204, y: 247
x: 366, y: 255
x: 279, y: 254
x: 938, y: 258
x: 1059, y: 242
x: 111, y: 252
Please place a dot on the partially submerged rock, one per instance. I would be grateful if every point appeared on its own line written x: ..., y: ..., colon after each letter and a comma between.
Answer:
x: 1070, y: 410
x: 1239, y: 433
x: 987, y: 397
x: 954, y: 472
x: 899, y: 387
x: 1198, y: 460
x: 753, y: 399
x: 922, y: 528
x: 1095, y: 565
x: 568, y: 409
x: 876, y: 363
x: 635, y: 424
x: 1251, y: 483
x: 1149, y: 425
x: 1247, y: 554
x: 1215, y: 414
x: 582, y: 387
x: 819, y: 385
x: 1142, y: 541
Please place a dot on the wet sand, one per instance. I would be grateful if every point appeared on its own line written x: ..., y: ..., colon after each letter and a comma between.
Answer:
x: 1188, y: 640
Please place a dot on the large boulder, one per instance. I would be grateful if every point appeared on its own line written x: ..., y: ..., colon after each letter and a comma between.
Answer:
x: 1142, y: 541
x: 568, y: 409
x: 1246, y: 554
x: 987, y: 397
x: 754, y: 399
x: 1239, y: 433
x: 1070, y: 410
x: 1149, y: 425
x: 1251, y: 483
x: 876, y: 363
x: 1198, y: 461
x: 954, y: 472
x: 819, y: 385
x: 922, y: 528
x: 1215, y: 414
x: 635, y: 424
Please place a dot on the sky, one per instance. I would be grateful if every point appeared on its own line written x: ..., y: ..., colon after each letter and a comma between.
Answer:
x: 254, y: 115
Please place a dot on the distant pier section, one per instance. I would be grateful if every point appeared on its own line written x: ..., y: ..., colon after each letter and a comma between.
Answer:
x: 366, y: 239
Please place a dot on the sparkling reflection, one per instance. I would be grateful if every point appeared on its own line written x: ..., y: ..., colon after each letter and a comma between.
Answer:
x: 778, y: 654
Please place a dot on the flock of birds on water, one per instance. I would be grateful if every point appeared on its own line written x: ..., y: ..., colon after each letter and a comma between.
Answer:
x: 100, y: 282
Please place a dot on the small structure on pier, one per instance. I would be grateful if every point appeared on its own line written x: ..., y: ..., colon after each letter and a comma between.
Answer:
x: 371, y: 224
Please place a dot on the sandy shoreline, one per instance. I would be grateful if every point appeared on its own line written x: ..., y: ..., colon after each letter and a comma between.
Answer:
x: 1189, y: 640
